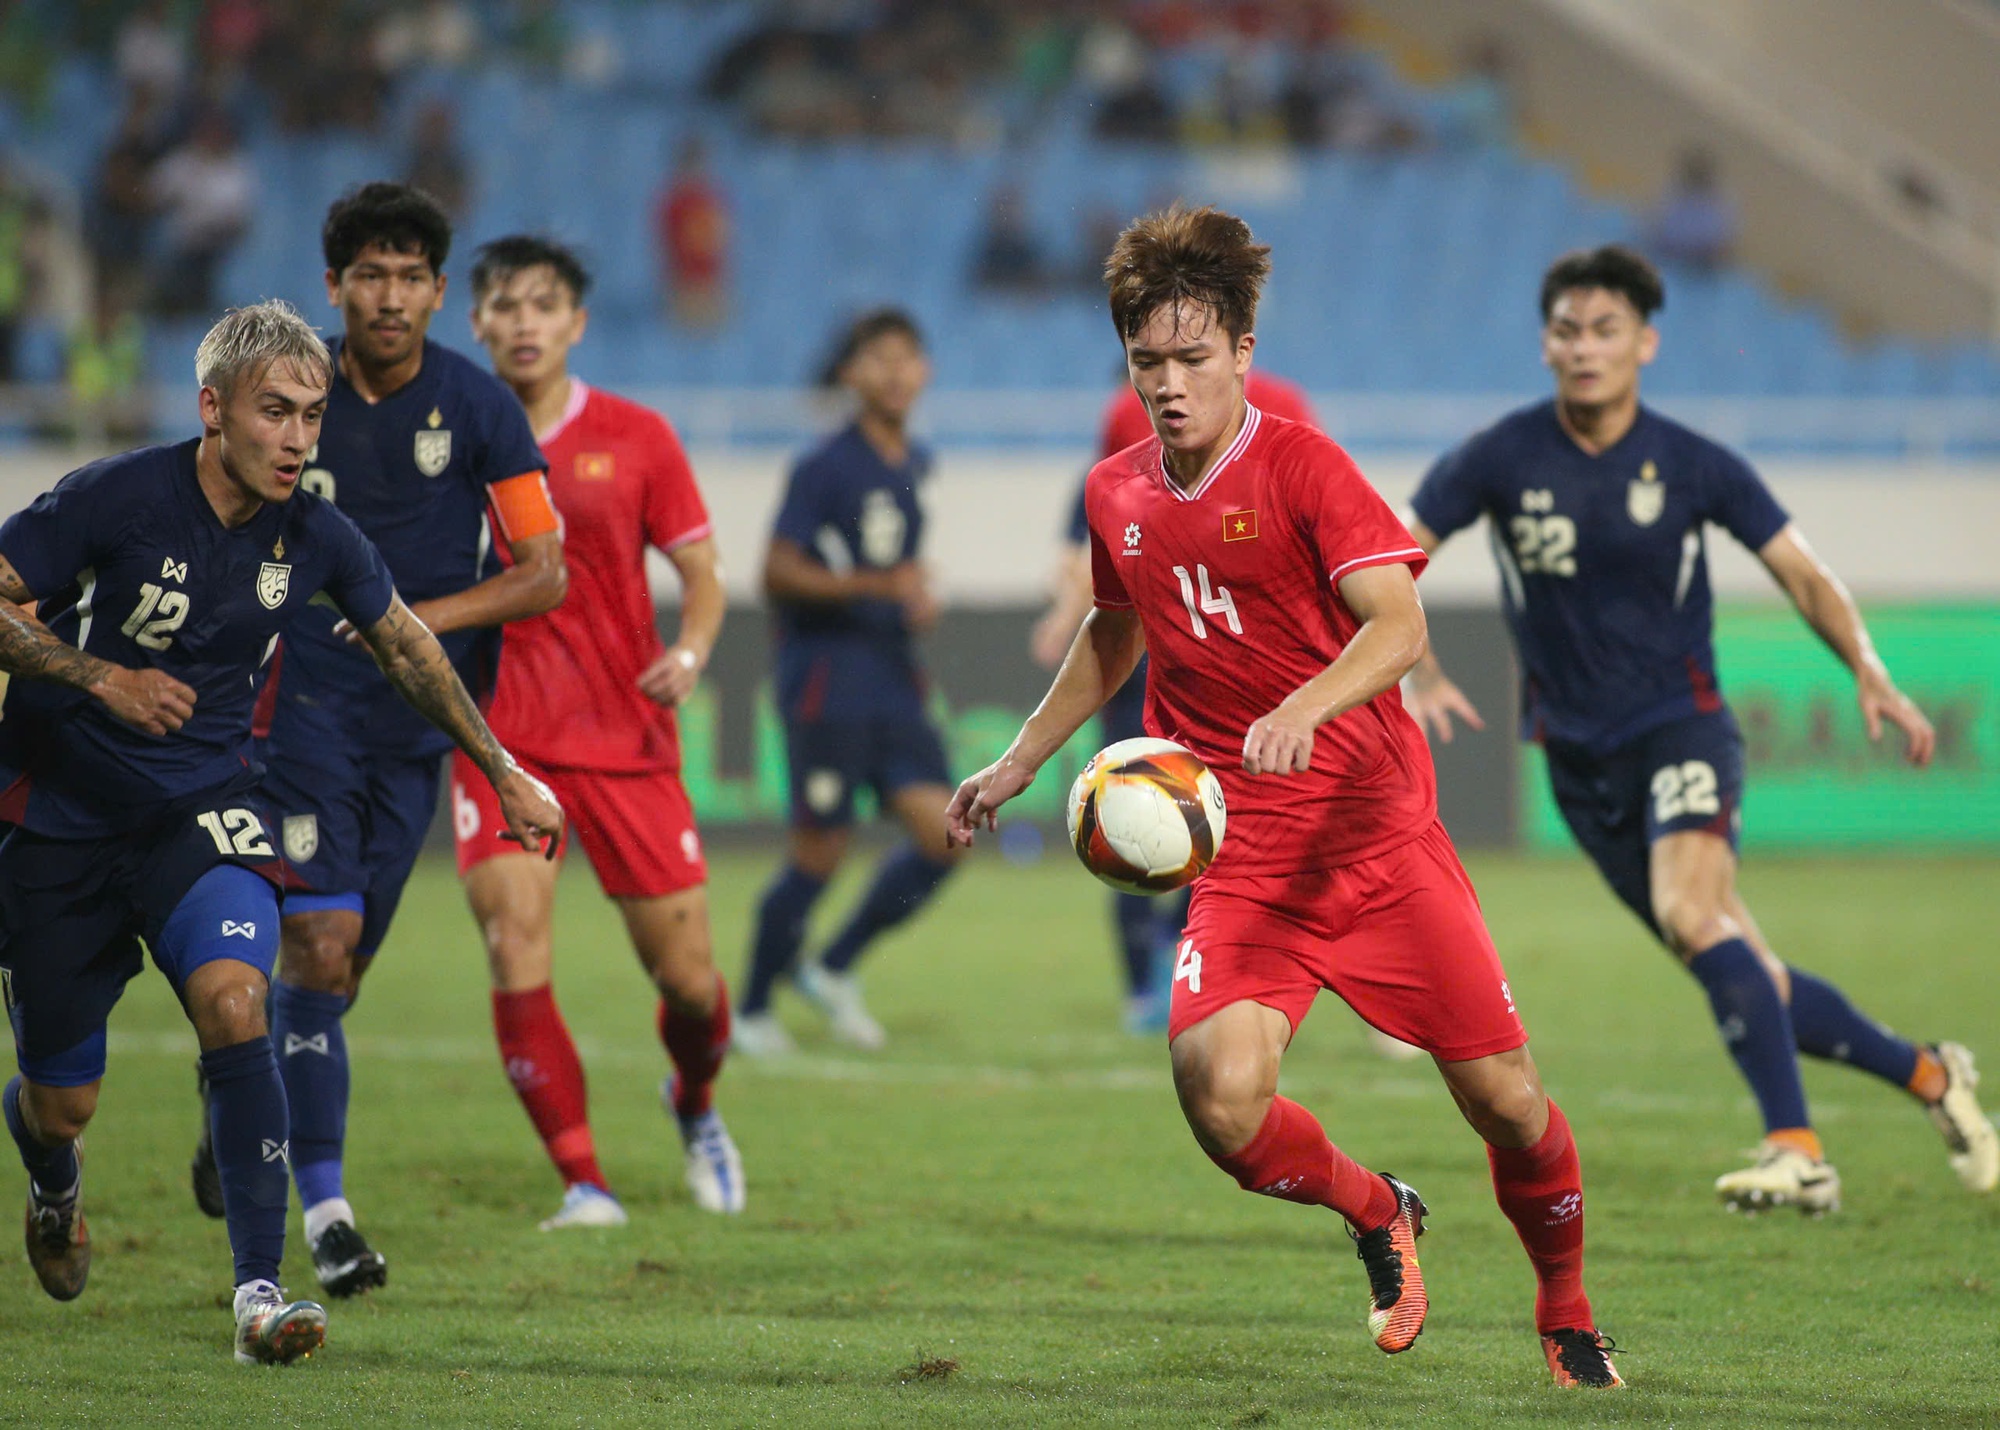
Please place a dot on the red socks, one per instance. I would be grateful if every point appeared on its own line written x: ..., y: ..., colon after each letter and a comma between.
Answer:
x: 1540, y: 1188
x: 1291, y: 1158
x: 696, y: 1045
x: 542, y: 1064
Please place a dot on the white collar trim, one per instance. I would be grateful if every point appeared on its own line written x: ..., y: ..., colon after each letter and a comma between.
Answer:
x: 579, y: 394
x: 1252, y: 419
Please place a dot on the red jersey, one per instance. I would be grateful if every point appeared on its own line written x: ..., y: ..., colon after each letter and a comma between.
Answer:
x: 1236, y: 586
x: 568, y: 694
x: 1126, y: 422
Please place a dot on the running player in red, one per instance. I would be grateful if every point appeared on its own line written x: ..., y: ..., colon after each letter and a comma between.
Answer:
x: 1277, y: 595
x: 1148, y: 926
x: 589, y: 691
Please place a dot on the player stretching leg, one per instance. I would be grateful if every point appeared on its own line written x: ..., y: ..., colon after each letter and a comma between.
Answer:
x: 164, y: 577
x: 1599, y: 506
x: 418, y: 443
x: 587, y: 695
x: 843, y: 575
x: 1276, y: 594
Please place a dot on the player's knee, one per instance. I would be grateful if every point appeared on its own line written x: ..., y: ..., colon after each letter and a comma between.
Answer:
x: 229, y: 1012
x: 517, y: 953
x: 1689, y: 923
x: 1512, y: 1116
x: 319, y: 959
x: 1225, y: 1100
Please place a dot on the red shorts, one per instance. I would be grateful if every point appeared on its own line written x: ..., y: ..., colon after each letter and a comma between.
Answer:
x: 638, y: 829
x: 1399, y: 937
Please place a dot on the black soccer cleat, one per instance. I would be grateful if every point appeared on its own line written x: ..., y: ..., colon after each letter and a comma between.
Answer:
x: 346, y: 1264
x: 1579, y: 1357
x: 202, y: 1171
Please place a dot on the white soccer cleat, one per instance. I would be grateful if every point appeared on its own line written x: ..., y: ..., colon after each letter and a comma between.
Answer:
x: 760, y: 1035
x: 585, y: 1205
x: 1967, y: 1131
x: 273, y: 1331
x: 838, y: 995
x: 1393, y: 1048
x: 714, y: 1167
x: 1782, y: 1177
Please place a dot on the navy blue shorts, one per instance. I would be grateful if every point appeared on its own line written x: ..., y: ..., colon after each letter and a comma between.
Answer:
x: 831, y: 758
x: 351, y: 822
x: 1686, y: 775
x: 73, y: 912
x: 1124, y: 714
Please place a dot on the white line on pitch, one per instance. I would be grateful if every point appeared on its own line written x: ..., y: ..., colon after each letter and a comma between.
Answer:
x: 1152, y: 1080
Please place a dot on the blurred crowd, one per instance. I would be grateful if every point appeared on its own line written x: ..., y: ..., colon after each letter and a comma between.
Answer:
x: 1282, y: 72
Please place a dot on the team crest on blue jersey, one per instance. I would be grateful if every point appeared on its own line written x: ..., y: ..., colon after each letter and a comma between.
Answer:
x: 433, y: 451
x: 273, y: 581
x: 1646, y: 498
x: 301, y: 837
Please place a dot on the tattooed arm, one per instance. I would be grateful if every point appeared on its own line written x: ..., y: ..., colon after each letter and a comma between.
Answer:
x: 149, y: 700
x: 421, y: 672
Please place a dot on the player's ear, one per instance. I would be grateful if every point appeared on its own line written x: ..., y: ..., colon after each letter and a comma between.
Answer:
x: 332, y: 288
x: 1649, y: 344
x: 579, y: 323
x: 1245, y: 345
x: 208, y: 402
x: 437, y: 300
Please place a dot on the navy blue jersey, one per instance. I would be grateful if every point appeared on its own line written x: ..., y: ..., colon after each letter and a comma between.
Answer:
x: 1604, y: 569
x: 412, y: 471
x: 129, y: 562
x: 851, y: 510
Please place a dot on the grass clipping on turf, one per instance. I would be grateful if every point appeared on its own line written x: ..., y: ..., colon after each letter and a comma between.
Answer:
x: 928, y: 1367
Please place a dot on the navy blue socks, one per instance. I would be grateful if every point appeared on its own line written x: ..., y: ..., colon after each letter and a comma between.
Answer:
x: 249, y: 1123
x: 54, y: 1169
x: 902, y: 885
x: 1756, y: 1028
x: 312, y: 1057
x: 781, y: 929
x: 1828, y: 1026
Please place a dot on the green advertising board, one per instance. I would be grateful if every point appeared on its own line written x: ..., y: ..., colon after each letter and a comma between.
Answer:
x: 1814, y: 779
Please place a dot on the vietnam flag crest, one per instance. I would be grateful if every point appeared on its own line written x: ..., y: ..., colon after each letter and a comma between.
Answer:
x: 1240, y: 525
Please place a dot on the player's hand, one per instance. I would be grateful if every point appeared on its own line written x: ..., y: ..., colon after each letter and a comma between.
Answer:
x: 912, y: 585
x: 672, y: 678
x: 1051, y: 639
x: 1880, y: 700
x: 1432, y: 702
x: 1280, y: 743
x: 149, y: 700
x: 534, y: 819
x: 979, y: 799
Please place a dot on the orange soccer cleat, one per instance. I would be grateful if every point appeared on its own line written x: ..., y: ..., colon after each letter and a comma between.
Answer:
x: 1581, y: 1357
x: 1397, y: 1300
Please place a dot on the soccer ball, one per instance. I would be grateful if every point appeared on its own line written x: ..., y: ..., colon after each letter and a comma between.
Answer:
x: 1146, y: 816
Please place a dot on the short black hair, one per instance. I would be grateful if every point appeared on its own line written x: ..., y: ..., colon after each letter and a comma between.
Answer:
x: 873, y: 324
x: 398, y: 217
x: 500, y: 260
x: 1614, y: 268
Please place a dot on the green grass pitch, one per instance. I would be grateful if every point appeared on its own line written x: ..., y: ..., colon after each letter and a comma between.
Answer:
x: 1010, y: 1188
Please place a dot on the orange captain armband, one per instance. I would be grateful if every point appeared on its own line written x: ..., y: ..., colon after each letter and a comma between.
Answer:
x: 524, y: 507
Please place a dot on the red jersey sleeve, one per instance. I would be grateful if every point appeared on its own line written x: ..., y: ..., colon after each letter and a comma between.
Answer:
x: 675, y: 512
x: 1107, y: 586
x: 1343, y: 518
